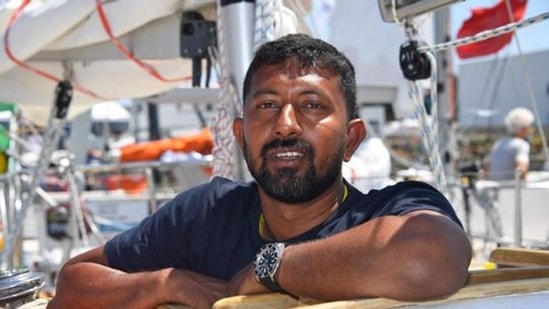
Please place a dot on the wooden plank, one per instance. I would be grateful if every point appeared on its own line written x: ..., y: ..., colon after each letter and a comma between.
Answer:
x: 476, y: 292
x: 481, y: 283
x: 269, y: 300
x: 532, y: 275
x: 519, y: 257
x: 508, y: 274
x: 471, y: 291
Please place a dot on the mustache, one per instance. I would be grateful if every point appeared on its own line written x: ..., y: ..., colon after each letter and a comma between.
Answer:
x: 288, y: 143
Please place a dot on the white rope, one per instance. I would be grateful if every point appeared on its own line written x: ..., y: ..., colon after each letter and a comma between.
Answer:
x: 224, y: 164
x: 429, y: 126
x: 272, y: 21
x: 484, y: 35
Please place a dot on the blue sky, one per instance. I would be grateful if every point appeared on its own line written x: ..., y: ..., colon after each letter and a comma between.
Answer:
x: 533, y: 38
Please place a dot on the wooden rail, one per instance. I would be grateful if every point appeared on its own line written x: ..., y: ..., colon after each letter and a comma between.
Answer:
x: 519, y: 272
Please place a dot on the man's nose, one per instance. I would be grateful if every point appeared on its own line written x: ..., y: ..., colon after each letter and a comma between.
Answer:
x: 287, y: 123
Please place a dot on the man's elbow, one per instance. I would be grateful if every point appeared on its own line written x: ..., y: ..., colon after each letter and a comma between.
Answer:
x: 438, y: 276
x: 440, y: 284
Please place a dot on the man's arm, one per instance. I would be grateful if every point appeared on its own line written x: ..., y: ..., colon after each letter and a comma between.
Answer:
x: 86, y: 281
x: 522, y: 168
x: 422, y: 255
x: 419, y: 256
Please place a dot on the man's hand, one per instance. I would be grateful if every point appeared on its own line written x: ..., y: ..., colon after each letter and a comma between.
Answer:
x: 244, y: 283
x: 193, y: 289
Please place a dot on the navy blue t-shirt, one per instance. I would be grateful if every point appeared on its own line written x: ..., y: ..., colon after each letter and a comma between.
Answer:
x: 213, y: 229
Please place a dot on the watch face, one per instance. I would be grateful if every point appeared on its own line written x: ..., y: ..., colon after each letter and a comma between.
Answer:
x: 266, y: 261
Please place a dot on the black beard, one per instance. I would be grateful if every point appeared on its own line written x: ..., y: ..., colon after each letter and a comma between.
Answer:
x: 284, y: 184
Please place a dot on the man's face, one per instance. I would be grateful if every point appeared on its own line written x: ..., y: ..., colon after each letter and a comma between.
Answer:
x: 526, y: 133
x: 294, y: 132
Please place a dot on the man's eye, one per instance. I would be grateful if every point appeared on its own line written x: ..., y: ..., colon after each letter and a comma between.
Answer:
x: 313, y: 105
x: 266, y: 105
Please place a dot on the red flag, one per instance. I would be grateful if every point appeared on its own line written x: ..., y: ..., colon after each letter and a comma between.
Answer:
x: 489, y: 18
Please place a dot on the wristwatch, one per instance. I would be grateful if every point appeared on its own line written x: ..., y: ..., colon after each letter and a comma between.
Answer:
x: 266, y: 264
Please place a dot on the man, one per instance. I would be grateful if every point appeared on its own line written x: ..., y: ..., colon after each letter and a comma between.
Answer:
x: 509, y: 155
x: 299, y: 228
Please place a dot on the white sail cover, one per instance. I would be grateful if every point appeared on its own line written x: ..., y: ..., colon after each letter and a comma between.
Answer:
x: 51, y: 35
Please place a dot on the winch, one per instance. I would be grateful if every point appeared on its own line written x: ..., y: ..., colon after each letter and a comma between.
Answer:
x: 19, y: 286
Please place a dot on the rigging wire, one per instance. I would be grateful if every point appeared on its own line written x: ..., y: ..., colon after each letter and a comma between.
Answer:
x: 414, y: 92
x: 529, y: 86
x: 511, y: 27
x: 487, y: 34
x: 497, y: 84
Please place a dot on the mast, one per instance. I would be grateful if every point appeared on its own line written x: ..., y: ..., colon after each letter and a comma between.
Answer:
x: 236, y: 40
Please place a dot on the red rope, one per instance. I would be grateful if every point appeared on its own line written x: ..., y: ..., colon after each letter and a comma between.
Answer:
x: 106, y: 25
x: 14, y: 17
x: 148, y: 68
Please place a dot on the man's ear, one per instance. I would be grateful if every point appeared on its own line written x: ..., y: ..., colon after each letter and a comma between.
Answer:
x: 238, y: 132
x: 356, y: 132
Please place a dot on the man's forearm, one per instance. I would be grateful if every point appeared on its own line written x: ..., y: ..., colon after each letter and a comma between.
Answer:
x: 406, y: 258
x: 90, y: 285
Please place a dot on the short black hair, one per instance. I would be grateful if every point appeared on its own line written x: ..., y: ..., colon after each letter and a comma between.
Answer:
x: 311, y: 52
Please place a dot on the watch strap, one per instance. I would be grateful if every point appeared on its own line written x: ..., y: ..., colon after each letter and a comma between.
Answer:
x: 271, y: 284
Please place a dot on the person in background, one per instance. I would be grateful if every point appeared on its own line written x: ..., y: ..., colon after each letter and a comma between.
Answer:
x: 508, y: 158
x: 299, y: 228
x: 510, y: 154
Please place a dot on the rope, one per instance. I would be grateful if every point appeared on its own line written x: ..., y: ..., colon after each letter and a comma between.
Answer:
x: 484, y: 35
x: 116, y: 42
x: 272, y: 20
x: 224, y: 164
x: 429, y: 126
x: 13, y: 19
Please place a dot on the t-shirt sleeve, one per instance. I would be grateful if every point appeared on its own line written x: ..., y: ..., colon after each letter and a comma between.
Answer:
x: 177, y: 235
x: 406, y: 197
x: 523, y: 152
x: 147, y: 246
